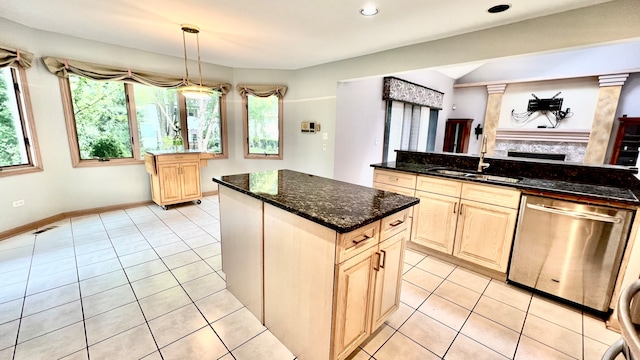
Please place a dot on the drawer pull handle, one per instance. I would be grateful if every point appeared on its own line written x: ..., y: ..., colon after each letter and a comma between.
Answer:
x: 384, y: 258
x: 396, y: 223
x: 364, y: 238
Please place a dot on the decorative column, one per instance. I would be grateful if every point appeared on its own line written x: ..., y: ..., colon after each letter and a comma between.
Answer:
x: 608, y: 97
x: 492, y: 114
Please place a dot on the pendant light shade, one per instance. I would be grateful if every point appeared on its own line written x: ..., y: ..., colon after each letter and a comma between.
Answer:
x: 189, y: 89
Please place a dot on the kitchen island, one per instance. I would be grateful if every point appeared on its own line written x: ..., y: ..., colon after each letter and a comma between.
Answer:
x: 317, y: 261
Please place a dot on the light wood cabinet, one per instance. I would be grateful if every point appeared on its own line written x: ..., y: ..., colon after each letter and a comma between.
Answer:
x: 354, y: 292
x: 175, y: 178
x: 436, y: 219
x: 368, y: 286
x: 320, y: 292
x: 473, y: 222
x: 242, y: 260
x: 386, y: 299
x: 470, y: 221
x: 484, y: 234
x: 395, y: 178
x: 399, y: 183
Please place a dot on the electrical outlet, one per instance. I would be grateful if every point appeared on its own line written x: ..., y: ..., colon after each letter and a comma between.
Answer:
x: 325, y: 136
x: 324, y: 147
x: 18, y: 203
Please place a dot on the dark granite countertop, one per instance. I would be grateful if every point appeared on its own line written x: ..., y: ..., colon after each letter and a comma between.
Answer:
x: 580, y: 190
x: 338, y: 205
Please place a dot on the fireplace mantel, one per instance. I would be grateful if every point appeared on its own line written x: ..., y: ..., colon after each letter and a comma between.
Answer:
x: 544, y: 135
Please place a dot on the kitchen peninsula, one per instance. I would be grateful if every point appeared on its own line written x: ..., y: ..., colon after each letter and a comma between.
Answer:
x: 317, y: 261
x: 468, y: 217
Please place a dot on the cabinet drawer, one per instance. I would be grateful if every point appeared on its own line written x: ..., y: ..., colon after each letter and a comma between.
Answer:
x: 177, y: 157
x: 395, y: 178
x: 353, y: 243
x: 394, y: 224
x: 439, y: 186
x: 495, y: 195
x: 394, y: 188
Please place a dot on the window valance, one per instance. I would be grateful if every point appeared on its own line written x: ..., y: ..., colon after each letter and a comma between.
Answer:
x: 10, y: 56
x: 405, y: 91
x: 64, y: 67
x: 262, y: 90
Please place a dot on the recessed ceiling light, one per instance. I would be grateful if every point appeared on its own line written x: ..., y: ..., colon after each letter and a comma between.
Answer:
x: 499, y: 8
x: 369, y: 11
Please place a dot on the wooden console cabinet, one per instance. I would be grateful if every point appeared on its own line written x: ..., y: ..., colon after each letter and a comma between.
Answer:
x: 175, y: 177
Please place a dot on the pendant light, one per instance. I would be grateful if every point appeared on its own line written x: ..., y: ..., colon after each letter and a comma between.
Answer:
x: 189, y: 89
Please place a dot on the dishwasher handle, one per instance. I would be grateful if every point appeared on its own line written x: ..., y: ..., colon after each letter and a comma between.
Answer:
x: 576, y: 214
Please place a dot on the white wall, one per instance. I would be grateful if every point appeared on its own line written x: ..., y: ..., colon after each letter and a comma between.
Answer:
x: 312, y: 96
x: 360, y: 122
x: 471, y: 103
x: 630, y: 97
x: 610, y: 58
x: 360, y: 119
x: 580, y: 95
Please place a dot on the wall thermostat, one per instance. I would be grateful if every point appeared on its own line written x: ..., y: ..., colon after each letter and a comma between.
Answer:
x: 309, y: 127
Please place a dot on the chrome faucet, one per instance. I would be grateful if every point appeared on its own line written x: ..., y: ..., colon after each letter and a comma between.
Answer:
x: 481, y: 164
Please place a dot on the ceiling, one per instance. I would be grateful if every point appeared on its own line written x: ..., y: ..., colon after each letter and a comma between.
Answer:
x: 275, y: 34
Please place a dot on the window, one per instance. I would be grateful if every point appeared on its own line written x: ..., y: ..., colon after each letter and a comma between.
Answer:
x: 18, y: 146
x: 206, y: 129
x: 262, y: 121
x: 117, y: 122
x: 408, y: 127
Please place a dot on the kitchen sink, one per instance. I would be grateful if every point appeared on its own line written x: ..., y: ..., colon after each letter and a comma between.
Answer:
x: 477, y: 176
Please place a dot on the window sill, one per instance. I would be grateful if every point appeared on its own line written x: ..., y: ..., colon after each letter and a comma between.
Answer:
x: 5, y: 172
x: 212, y: 156
x: 110, y: 162
x: 263, y: 156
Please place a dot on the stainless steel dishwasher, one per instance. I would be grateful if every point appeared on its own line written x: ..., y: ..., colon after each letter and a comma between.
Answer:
x: 569, y: 249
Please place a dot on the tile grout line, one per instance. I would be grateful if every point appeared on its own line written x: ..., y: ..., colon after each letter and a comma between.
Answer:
x: 24, y: 298
x: 180, y: 284
x: 414, y: 311
x: 468, y: 316
x: 84, y: 324
x: 135, y: 295
x: 188, y: 295
x: 76, y: 272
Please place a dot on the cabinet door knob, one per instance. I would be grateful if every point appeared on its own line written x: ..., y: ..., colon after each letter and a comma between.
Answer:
x: 455, y: 207
x: 376, y: 264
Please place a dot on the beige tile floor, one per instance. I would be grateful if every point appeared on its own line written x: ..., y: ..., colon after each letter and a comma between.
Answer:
x: 147, y: 283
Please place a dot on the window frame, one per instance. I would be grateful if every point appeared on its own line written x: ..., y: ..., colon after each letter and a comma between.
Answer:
x: 27, y: 122
x: 137, y: 158
x: 182, y: 108
x: 245, y: 129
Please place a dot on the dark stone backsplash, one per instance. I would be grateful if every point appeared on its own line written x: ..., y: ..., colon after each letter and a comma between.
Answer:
x: 603, y: 175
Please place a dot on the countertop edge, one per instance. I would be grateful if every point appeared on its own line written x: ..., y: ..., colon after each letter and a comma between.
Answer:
x: 339, y: 229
